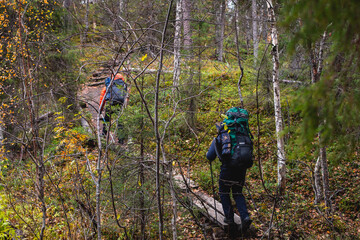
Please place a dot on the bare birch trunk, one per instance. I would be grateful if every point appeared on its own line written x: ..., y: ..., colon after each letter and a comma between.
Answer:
x: 321, y: 192
x: 177, y: 44
x: 255, y: 29
x: 238, y: 55
x: 237, y: 21
x: 317, y: 181
x: 277, y: 106
x: 248, y: 30
x: 86, y: 22
x: 324, y: 163
x: 122, y: 7
x: 220, y: 7
x: 325, y: 180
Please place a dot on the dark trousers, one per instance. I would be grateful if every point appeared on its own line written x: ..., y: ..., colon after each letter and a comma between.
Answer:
x: 232, y: 179
x: 109, y: 110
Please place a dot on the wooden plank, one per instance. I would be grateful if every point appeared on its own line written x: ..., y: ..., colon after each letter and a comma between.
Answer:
x: 97, y: 79
x: 93, y: 84
x: 211, y: 208
x: 210, y: 212
x: 179, y: 181
x: 210, y: 202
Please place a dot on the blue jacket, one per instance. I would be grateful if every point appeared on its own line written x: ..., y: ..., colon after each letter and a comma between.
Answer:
x: 211, y: 153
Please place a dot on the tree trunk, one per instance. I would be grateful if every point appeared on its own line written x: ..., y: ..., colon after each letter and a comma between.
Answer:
x: 98, y: 202
x: 156, y: 125
x: 66, y: 4
x: 277, y: 106
x: 317, y: 181
x: 325, y: 179
x: 187, y: 27
x: 188, y: 44
x: 238, y: 55
x: 67, y: 16
x: 248, y: 30
x: 255, y: 29
x: 220, y: 7
x: 174, y: 202
x: 122, y: 7
x: 142, y: 173
x: 237, y: 21
x: 86, y: 22
x: 118, y: 23
x: 177, y: 44
x: 316, y: 70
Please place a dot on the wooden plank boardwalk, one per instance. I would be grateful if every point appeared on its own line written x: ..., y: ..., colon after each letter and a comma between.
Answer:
x: 210, y: 207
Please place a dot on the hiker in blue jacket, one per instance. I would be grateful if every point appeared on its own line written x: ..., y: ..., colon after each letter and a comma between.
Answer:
x: 231, y: 179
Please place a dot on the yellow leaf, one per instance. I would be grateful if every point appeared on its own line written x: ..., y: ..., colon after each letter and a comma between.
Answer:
x: 224, y: 116
x: 144, y: 57
x: 139, y: 183
x: 225, y: 127
x: 46, y: 2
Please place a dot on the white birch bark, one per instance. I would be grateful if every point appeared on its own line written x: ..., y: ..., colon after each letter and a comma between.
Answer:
x: 177, y: 44
x: 238, y: 54
x: 86, y: 22
x: 122, y: 7
x: 277, y: 106
x: 237, y: 20
x: 325, y: 179
x: 176, y: 76
x: 220, y: 28
x: 321, y: 191
x: 317, y: 181
x: 255, y: 29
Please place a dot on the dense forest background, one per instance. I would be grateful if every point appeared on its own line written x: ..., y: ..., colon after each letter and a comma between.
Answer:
x: 292, y: 64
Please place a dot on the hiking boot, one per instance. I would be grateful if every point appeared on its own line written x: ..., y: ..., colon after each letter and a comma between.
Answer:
x: 245, y: 224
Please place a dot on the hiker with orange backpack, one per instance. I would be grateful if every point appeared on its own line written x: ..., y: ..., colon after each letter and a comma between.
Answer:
x: 116, y: 95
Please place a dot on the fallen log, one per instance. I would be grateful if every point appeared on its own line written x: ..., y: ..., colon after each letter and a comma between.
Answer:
x: 208, y: 206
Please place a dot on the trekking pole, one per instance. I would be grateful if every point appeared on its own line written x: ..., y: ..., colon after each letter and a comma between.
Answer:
x: 213, y: 188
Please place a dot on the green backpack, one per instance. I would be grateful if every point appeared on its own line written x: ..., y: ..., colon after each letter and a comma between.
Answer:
x: 234, y: 141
